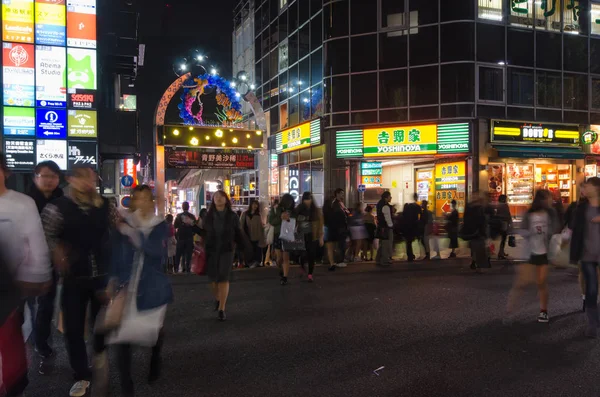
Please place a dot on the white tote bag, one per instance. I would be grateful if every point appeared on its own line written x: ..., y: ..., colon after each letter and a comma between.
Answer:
x: 140, y: 328
x: 288, y: 229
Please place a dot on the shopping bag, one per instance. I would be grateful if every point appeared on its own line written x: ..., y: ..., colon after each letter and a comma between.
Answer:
x: 296, y: 245
x: 288, y: 230
x: 269, y: 234
x: 558, y: 254
x: 199, y: 260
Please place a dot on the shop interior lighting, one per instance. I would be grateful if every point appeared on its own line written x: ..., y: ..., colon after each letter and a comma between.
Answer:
x: 249, y: 146
x: 247, y: 135
x: 176, y: 132
x: 219, y: 133
x: 230, y: 130
x: 258, y: 132
x: 207, y: 137
x: 501, y: 63
x: 223, y: 144
x: 194, y: 141
x: 234, y: 140
x: 191, y: 128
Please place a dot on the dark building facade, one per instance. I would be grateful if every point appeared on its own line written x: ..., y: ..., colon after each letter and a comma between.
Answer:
x: 498, y: 90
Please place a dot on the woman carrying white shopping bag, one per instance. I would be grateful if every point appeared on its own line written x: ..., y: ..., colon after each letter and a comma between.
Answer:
x: 140, y: 289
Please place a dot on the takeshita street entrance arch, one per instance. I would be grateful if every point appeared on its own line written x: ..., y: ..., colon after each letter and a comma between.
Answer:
x: 228, y: 115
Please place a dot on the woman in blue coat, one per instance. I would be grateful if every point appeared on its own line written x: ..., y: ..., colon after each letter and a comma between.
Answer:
x: 139, y: 248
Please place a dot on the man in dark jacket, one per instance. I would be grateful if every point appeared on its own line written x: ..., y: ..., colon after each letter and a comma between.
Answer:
x: 77, y: 231
x: 411, y: 214
x: 336, y: 221
x: 46, y: 178
x: 184, y: 223
x: 385, y: 230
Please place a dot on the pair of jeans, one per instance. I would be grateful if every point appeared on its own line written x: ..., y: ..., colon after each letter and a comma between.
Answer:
x: 43, y: 318
x: 310, y: 254
x: 589, y: 270
x: 386, y: 249
x: 185, y: 249
x: 76, y: 296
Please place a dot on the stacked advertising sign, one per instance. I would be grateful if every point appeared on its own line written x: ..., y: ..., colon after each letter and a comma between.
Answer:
x: 49, y: 76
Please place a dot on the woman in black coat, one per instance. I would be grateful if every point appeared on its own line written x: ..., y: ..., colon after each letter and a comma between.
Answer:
x: 221, y: 232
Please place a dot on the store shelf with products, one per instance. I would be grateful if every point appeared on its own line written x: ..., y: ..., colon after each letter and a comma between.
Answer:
x: 519, y: 184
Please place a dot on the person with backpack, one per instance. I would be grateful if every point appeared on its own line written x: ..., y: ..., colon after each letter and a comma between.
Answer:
x: 184, y: 226
x: 539, y: 225
x: 336, y: 222
x: 474, y: 231
x: 411, y: 214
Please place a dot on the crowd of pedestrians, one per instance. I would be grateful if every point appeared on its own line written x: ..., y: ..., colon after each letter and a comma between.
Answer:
x: 116, y: 262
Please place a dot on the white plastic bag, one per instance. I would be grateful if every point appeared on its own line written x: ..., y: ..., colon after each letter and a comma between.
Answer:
x: 558, y: 254
x: 288, y: 229
x: 269, y: 234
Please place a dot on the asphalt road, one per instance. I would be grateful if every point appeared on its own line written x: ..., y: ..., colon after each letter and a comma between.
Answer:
x: 435, y: 328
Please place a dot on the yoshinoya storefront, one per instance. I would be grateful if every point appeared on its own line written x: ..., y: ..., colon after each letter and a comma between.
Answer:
x: 522, y: 157
x: 296, y: 162
x: 431, y: 160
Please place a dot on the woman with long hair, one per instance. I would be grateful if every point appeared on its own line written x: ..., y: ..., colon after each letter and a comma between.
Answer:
x: 539, y: 224
x: 252, y: 225
x: 221, y: 232
x: 286, y: 207
x: 310, y: 224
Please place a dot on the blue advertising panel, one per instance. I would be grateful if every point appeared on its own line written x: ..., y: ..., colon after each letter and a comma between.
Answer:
x: 51, y: 123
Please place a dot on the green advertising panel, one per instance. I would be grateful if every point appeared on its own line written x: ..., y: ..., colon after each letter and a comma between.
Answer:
x: 83, y: 124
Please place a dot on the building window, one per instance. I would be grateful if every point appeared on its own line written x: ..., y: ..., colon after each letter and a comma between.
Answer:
x: 548, y: 86
x: 491, y: 84
x: 575, y: 91
x: 548, y: 17
x: 572, y: 14
x: 393, y: 14
x: 595, y: 93
x: 490, y: 9
x: 520, y: 87
x: 283, y: 55
x: 521, y: 13
x: 282, y: 3
x: 595, y: 18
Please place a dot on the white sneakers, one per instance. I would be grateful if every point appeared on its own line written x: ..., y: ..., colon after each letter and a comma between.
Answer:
x: 341, y: 264
x: 79, y: 389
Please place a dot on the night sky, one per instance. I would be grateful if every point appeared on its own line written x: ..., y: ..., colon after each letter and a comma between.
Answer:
x: 170, y: 29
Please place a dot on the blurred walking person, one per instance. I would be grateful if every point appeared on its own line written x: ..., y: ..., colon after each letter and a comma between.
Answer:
x: 474, y: 230
x: 46, y: 178
x: 336, y: 221
x: 286, y: 207
x: 25, y: 271
x: 184, y: 226
x: 77, y: 231
x: 137, y: 266
x: 385, y: 230
x: 221, y: 232
x: 504, y: 223
x: 539, y: 225
x: 426, y: 228
x: 252, y: 225
x: 411, y: 215
x: 310, y: 225
x: 585, y: 248
x: 171, y: 244
x: 452, y: 228
x: 358, y: 232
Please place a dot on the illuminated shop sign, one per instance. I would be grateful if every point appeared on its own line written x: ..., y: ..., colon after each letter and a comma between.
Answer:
x: 395, y: 141
x: 51, y: 123
x: 535, y: 133
x: 81, y: 69
x: 17, y: 21
x: 81, y: 99
x: 81, y: 23
x: 82, y: 153
x: 19, y: 121
x: 50, y: 22
x: 18, y: 73
x: 300, y: 137
x: 82, y: 124
x: 590, y: 140
x: 50, y: 85
x: 20, y: 153
x: 52, y: 149
x: 195, y: 159
x: 403, y: 141
x: 449, y: 185
x: 371, y: 174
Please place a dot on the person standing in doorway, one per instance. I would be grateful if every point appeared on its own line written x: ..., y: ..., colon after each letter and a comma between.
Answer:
x: 385, y: 230
x: 221, y: 232
x: 310, y: 224
x: 252, y: 225
x: 336, y: 222
x: 77, y: 231
x: 184, y: 226
x: 410, y: 219
x: 45, y: 189
x: 586, y: 250
x: 452, y: 228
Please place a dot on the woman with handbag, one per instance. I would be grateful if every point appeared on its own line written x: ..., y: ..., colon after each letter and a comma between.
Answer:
x: 139, y: 287
x: 287, y: 214
x: 310, y: 225
x: 221, y: 233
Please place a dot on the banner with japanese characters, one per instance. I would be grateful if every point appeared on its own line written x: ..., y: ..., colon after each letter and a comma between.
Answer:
x: 190, y: 159
x: 450, y: 180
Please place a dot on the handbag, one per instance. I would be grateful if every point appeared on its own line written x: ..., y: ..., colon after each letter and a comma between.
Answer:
x: 199, y: 260
x: 297, y: 244
x: 512, y: 241
x: 113, y: 313
x: 288, y: 230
